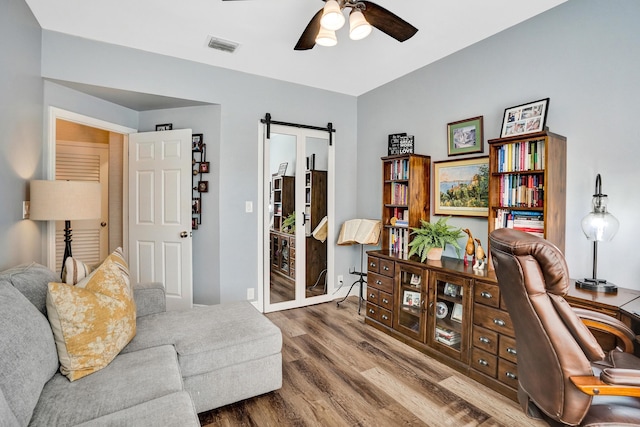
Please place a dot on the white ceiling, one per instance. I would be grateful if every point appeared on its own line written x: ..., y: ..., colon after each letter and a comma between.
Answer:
x: 267, y: 31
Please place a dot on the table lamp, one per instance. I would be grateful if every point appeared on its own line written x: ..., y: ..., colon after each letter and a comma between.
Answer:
x: 599, y: 226
x: 65, y: 201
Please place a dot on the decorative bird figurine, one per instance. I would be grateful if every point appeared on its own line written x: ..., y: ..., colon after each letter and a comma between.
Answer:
x: 481, y: 258
x: 470, y: 249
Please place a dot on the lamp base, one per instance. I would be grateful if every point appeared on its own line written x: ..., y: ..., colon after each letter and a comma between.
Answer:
x: 597, y: 285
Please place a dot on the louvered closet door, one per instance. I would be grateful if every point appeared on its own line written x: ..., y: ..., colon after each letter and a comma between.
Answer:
x: 81, y: 161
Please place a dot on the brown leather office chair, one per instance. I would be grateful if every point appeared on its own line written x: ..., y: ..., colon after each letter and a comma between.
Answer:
x: 565, y: 377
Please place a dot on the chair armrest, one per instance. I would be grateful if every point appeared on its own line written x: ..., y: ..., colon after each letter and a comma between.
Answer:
x: 150, y: 298
x: 594, y: 386
x: 610, y: 325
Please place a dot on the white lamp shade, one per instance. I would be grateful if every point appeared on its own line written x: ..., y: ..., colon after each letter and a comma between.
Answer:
x: 359, y: 27
x: 326, y: 37
x: 600, y: 226
x: 65, y: 200
x: 332, y: 17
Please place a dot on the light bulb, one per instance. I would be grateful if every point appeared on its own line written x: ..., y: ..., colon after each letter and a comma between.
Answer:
x: 332, y: 17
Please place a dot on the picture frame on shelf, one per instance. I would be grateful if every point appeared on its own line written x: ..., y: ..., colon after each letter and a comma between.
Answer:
x: 197, y: 142
x: 195, y: 205
x: 526, y: 118
x: 461, y: 187
x: 204, y: 167
x: 465, y: 136
x: 203, y: 186
x: 450, y: 289
x: 282, y: 169
x: 415, y: 279
x: 194, y: 223
x: 165, y: 126
x: 411, y: 299
x: 456, y: 312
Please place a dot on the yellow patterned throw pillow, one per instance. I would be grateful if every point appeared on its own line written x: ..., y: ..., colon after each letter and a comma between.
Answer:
x: 92, y: 324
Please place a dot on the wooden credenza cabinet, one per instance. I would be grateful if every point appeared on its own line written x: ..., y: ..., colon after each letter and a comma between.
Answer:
x: 457, y: 316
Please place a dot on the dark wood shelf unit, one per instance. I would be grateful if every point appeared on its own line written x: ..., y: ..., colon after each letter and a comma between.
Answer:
x: 283, y: 198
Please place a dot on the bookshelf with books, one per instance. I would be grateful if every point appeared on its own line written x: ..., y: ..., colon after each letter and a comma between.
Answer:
x: 527, y: 184
x: 283, y: 198
x: 405, y: 198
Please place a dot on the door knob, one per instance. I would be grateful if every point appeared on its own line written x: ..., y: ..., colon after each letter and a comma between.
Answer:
x: 103, y: 224
x: 184, y: 234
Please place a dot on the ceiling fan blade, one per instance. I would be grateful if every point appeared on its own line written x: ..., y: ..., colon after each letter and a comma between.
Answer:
x: 388, y: 22
x: 308, y: 38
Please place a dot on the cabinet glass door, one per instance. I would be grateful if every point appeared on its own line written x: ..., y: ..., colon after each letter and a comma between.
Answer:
x: 450, y: 315
x: 410, y: 301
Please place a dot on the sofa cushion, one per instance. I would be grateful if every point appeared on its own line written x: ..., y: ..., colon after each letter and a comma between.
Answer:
x: 31, y: 279
x: 74, y: 271
x: 92, y: 324
x: 212, y: 337
x: 130, y: 379
x: 28, y: 356
x: 172, y: 410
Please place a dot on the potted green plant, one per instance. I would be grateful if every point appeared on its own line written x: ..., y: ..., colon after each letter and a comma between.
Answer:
x: 289, y: 224
x: 431, y: 238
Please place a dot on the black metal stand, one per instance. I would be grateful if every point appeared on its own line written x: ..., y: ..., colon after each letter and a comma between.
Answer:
x: 360, y: 281
x: 67, y: 244
x: 595, y: 284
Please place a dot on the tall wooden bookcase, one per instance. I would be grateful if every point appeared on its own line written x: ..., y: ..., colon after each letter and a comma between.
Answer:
x: 527, y: 184
x: 283, y: 198
x: 405, y: 198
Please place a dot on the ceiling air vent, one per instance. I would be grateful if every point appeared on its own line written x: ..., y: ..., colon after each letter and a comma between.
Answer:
x: 223, y: 45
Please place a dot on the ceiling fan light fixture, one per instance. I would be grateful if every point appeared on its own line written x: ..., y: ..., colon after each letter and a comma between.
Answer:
x: 359, y: 27
x: 332, y: 17
x: 326, y: 37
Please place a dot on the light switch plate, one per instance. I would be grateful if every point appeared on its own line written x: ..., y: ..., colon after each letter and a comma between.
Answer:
x: 248, y: 206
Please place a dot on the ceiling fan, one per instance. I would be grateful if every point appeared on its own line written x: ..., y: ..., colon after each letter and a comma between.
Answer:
x: 363, y: 16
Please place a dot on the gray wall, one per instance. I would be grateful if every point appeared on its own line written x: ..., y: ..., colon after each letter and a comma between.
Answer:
x: 585, y: 56
x: 21, y: 130
x: 244, y: 99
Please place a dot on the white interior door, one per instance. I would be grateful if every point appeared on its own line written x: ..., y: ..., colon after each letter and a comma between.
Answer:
x: 83, y: 161
x: 160, y: 213
x: 297, y: 268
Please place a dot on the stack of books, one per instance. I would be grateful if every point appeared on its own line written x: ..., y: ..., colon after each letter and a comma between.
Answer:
x: 529, y: 221
x: 447, y: 336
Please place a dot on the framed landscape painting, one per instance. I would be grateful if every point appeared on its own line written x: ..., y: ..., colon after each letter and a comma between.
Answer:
x: 461, y: 187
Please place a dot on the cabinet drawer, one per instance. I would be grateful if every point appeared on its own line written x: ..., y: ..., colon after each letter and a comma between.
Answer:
x: 385, y: 300
x: 484, y: 362
x: 385, y: 317
x: 508, y: 373
x: 292, y: 242
x: 485, y: 339
x: 373, y: 264
x: 507, y: 349
x: 493, y: 318
x: 379, y: 314
x: 382, y: 283
x: 386, y: 267
x: 292, y: 253
x: 373, y: 295
x: 487, y: 294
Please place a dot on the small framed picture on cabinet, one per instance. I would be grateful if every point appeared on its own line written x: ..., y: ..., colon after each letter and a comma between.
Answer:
x: 456, y: 313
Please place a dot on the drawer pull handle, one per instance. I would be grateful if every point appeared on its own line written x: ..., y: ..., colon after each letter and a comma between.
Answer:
x: 485, y: 294
x: 484, y: 340
x: 372, y: 264
x: 385, y: 268
x: 511, y: 376
x: 384, y: 317
x: 372, y: 311
x: 499, y: 322
x: 384, y: 300
x: 483, y: 362
x: 372, y: 296
x: 512, y: 351
x: 378, y: 282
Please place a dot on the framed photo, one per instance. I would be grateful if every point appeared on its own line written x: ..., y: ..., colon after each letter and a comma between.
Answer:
x: 450, y: 289
x: 411, y: 299
x: 196, y: 142
x: 525, y: 118
x: 282, y: 169
x: 203, y: 186
x: 456, y: 313
x: 194, y: 223
x: 204, y: 167
x: 195, y: 205
x: 465, y: 136
x: 461, y: 187
x: 415, y: 279
x: 165, y: 126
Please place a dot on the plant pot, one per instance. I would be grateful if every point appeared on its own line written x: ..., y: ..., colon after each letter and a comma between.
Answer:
x: 434, y: 254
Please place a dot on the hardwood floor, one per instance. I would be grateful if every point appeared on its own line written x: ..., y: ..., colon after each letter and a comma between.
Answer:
x: 337, y: 371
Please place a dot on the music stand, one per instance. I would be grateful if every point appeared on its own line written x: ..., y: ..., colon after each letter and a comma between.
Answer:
x: 361, y: 232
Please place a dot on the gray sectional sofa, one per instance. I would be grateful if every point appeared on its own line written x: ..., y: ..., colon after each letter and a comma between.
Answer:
x: 179, y: 363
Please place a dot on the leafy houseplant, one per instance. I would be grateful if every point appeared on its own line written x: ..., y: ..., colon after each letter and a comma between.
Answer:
x: 289, y: 224
x: 434, y: 235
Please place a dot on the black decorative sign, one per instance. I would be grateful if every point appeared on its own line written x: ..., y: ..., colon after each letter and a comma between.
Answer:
x: 400, y: 143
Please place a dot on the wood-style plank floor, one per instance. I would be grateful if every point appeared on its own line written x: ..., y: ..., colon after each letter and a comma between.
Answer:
x: 337, y: 371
